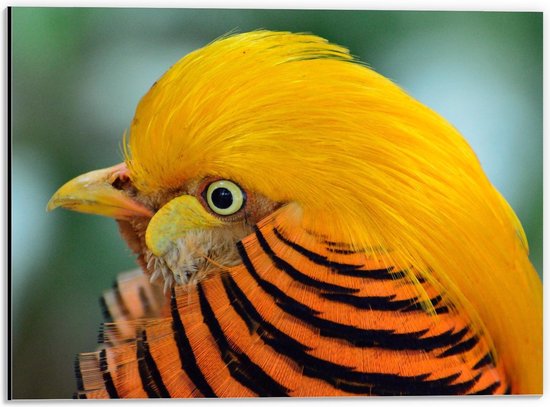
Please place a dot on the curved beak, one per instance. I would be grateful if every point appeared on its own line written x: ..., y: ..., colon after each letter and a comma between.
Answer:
x: 94, y: 193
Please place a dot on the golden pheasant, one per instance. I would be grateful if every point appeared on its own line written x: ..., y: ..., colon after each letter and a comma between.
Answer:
x: 317, y: 232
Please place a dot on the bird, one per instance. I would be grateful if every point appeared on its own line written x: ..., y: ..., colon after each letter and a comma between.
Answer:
x: 304, y: 228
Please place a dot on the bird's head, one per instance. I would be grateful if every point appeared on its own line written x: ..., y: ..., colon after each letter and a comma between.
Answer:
x: 265, y: 121
x: 288, y: 124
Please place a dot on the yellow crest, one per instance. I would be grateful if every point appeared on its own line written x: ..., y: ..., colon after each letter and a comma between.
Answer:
x: 299, y: 120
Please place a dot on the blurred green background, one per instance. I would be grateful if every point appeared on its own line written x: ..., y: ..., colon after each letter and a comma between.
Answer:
x: 78, y: 74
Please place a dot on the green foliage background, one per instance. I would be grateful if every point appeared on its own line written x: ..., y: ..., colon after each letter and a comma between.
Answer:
x: 79, y: 73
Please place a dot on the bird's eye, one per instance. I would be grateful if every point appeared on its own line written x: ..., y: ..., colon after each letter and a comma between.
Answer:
x: 224, y: 197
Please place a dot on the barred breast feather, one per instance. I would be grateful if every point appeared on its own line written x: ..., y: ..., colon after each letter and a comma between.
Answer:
x: 302, y: 316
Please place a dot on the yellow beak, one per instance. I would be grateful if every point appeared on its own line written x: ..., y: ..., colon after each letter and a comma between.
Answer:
x: 94, y: 193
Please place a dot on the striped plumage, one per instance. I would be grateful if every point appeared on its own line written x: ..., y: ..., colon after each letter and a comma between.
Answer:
x: 317, y: 231
x: 302, y: 317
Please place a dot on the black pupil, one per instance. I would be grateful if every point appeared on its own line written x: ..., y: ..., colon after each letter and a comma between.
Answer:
x: 222, y: 198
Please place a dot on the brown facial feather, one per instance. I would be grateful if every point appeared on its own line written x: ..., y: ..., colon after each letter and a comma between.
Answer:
x: 200, y: 252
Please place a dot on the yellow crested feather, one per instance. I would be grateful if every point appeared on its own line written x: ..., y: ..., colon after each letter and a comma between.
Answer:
x: 299, y: 120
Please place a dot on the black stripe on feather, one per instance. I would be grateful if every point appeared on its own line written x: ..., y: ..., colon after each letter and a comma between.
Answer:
x: 484, y: 361
x: 105, y: 310
x: 78, y: 374
x: 488, y: 390
x: 151, y: 378
x: 384, y: 303
x: 315, y: 257
x: 374, y: 274
x: 375, y: 303
x: 386, y: 339
x: 271, y: 289
x: 380, y: 338
x: 339, y: 376
x: 294, y: 273
x: 350, y: 270
x: 252, y: 318
x: 240, y: 367
x: 185, y: 352
x: 107, y: 379
x: 461, y: 347
x: 120, y: 301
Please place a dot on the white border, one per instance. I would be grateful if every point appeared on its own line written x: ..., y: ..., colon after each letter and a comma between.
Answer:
x: 446, y: 5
